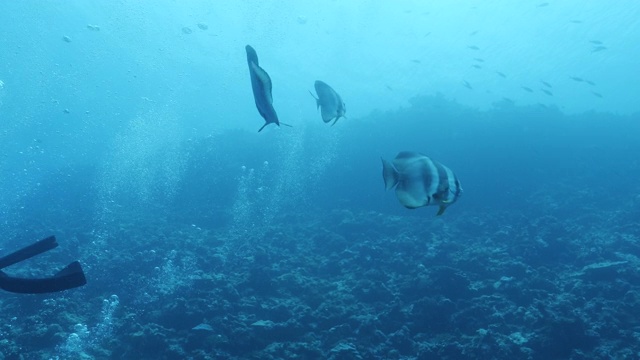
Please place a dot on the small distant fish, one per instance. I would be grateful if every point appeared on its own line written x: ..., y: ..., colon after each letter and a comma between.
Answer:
x: 329, y: 102
x: 543, y: 4
x: 474, y: 32
x: 421, y: 181
x: 66, y: 39
x: 509, y: 100
x: 546, y: 84
x: 501, y: 74
x: 598, y: 48
x: 93, y: 27
x: 389, y: 88
x: 478, y: 59
x: 597, y: 94
x: 202, y: 327
x: 203, y: 26
x: 261, y: 86
x: 590, y: 82
x: 186, y: 30
x: 466, y: 84
x: 597, y: 42
x: 416, y: 61
x: 576, y: 21
x: 575, y: 78
x: 527, y: 89
x: 477, y: 66
x: 473, y: 47
x: 427, y: 34
x: 547, y: 92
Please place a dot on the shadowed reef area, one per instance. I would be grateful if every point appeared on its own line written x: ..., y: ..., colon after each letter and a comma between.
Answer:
x: 285, y: 244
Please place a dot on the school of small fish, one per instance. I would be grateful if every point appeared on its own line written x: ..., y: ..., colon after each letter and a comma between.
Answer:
x: 596, y: 46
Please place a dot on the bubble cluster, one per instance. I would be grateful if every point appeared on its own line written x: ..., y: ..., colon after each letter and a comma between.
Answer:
x: 144, y: 168
x: 83, y: 341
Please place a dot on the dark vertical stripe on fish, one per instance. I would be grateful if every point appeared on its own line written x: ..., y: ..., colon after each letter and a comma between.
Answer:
x: 431, y: 178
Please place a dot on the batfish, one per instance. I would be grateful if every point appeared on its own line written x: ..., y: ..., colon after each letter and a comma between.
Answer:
x: 420, y: 181
x: 261, y: 85
x: 330, y: 103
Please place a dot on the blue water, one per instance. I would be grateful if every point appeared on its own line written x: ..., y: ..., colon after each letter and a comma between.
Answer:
x: 128, y: 129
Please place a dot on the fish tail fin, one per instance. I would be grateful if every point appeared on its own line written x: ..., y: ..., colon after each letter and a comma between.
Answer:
x: 389, y: 174
x: 317, y: 100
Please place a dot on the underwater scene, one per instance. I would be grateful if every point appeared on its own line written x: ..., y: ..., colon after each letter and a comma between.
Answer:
x: 319, y: 179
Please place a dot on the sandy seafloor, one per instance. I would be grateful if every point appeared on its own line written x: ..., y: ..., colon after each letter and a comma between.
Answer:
x: 538, y: 260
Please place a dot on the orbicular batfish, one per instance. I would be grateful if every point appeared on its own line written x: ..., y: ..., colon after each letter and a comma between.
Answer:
x: 261, y: 85
x: 330, y: 103
x: 420, y: 181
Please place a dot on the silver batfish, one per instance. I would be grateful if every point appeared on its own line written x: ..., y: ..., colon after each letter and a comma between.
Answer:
x: 421, y: 181
x: 330, y: 103
x: 261, y: 86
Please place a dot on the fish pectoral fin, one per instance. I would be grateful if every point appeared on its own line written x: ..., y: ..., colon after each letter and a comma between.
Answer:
x: 441, y: 210
x: 289, y: 125
x: 317, y: 100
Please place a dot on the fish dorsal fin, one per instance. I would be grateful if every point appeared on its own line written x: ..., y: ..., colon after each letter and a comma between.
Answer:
x: 407, y: 159
x: 264, y: 79
x: 409, y: 154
